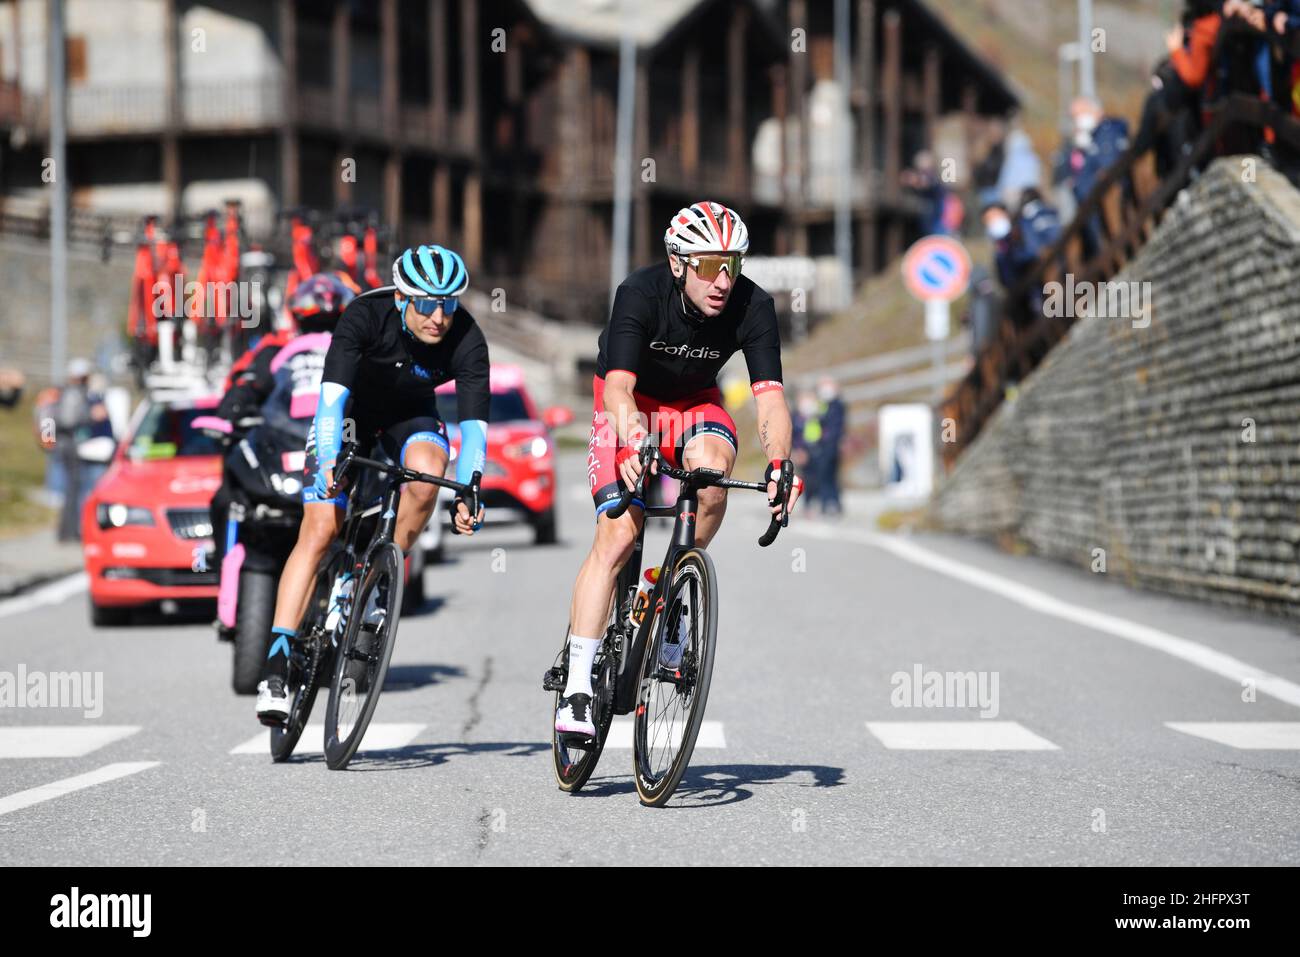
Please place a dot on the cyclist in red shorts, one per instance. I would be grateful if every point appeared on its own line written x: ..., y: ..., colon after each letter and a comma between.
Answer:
x: 672, y: 327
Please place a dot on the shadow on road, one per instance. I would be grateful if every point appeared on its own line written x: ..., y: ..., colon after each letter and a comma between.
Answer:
x: 410, y: 677
x: 715, y: 785
x: 431, y: 755
x: 430, y: 606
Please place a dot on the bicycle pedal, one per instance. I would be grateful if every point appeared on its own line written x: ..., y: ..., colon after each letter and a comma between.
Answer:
x: 554, y: 680
x: 582, y: 742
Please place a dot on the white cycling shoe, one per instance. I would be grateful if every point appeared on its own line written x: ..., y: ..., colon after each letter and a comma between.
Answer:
x: 574, y: 716
x: 272, y: 700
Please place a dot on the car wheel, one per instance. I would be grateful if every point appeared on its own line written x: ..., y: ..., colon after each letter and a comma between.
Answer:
x: 253, y: 618
x: 544, y: 531
x: 107, y: 616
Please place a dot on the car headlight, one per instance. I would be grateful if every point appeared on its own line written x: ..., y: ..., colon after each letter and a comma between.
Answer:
x: 534, y: 448
x: 118, y: 515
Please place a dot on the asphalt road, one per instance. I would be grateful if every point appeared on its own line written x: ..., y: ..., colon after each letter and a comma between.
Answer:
x: 1119, y: 727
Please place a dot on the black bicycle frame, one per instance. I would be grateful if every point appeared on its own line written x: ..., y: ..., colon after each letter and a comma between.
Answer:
x: 683, y: 540
x: 397, y: 475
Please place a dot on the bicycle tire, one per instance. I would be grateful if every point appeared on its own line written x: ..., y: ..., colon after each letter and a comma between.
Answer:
x: 384, y: 564
x: 315, y: 658
x: 693, y: 574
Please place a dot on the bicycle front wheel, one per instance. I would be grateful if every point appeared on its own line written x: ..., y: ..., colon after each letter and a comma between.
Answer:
x: 361, y: 662
x: 675, y: 676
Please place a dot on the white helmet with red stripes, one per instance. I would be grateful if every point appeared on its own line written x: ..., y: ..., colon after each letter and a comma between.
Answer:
x: 706, y: 228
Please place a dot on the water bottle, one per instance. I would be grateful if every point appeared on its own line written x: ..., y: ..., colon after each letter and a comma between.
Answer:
x: 642, y: 602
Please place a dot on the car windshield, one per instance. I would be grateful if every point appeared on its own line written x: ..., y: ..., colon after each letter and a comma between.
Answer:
x: 166, y: 432
x: 507, y: 406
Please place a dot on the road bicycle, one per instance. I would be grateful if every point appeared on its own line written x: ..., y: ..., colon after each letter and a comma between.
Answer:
x: 636, y: 666
x: 350, y: 626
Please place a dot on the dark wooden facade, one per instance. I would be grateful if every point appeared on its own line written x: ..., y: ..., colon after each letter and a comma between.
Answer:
x: 506, y: 154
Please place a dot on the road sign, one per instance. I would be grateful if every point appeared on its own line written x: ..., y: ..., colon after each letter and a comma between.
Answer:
x: 936, y: 268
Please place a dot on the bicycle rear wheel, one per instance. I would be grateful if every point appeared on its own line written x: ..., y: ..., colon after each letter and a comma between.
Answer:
x: 576, y: 759
x: 671, y: 701
x: 309, y: 664
x: 361, y: 662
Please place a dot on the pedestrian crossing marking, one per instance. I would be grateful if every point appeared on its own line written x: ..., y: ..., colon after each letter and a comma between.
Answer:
x: 1245, y: 735
x: 379, y: 737
x: 711, y: 734
x: 973, y: 735
x: 47, y: 792
x: 60, y: 740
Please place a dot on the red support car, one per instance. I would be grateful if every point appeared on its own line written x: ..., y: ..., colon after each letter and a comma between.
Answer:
x: 519, y: 476
x: 145, y: 528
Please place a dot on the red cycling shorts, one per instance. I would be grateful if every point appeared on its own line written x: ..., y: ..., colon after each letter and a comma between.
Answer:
x: 673, y: 423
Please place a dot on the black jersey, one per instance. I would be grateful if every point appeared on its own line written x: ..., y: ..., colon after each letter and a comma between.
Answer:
x: 381, y: 364
x: 674, y: 355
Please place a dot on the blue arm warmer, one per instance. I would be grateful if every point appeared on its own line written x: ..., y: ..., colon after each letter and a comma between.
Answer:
x: 329, y: 422
x: 473, y: 449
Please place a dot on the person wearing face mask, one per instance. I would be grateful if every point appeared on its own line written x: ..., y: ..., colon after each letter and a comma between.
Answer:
x: 1019, y: 243
x: 997, y: 226
x: 1098, y: 143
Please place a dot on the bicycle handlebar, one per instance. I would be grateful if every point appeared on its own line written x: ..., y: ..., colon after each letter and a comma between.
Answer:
x: 349, y: 458
x: 701, y: 478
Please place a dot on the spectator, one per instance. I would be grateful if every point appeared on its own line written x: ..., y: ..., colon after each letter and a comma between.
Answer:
x: 1099, y: 142
x: 11, y: 387
x: 1021, y: 169
x: 833, y: 416
x: 989, y: 169
x: 1019, y: 244
x: 77, y: 414
x: 1170, y: 117
x: 997, y: 225
x: 807, y: 433
x: 923, y: 180
x: 983, y: 314
x: 1278, y: 17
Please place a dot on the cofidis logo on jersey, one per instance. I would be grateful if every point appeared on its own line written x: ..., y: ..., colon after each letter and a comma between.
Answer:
x: 686, y: 352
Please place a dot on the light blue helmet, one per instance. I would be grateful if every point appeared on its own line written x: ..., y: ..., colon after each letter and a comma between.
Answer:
x: 430, y: 271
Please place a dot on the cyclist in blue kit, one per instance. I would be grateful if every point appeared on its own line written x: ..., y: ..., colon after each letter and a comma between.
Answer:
x: 391, y: 349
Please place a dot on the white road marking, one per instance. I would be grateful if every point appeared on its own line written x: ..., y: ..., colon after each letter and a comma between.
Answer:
x: 710, y: 736
x: 1202, y: 656
x: 379, y: 737
x: 1246, y: 735
x: 46, y: 792
x: 60, y: 741
x: 973, y: 735
x: 50, y: 593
